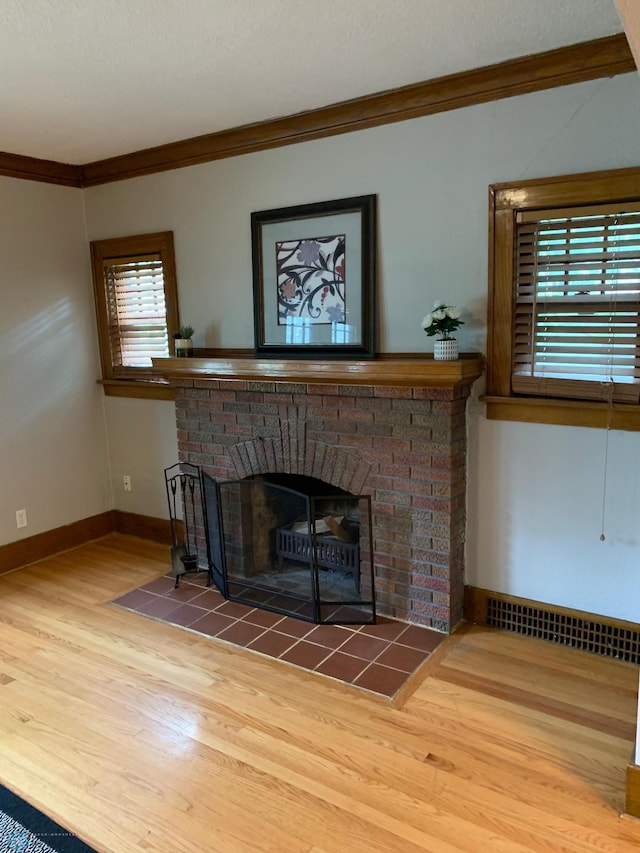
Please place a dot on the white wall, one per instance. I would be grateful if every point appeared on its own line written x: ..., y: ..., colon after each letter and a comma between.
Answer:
x: 143, y: 442
x: 54, y: 460
x: 431, y: 177
x: 536, y: 514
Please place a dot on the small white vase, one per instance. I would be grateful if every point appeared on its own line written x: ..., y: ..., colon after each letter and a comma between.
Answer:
x: 446, y: 350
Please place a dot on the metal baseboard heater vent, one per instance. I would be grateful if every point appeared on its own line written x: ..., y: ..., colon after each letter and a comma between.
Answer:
x: 609, y: 640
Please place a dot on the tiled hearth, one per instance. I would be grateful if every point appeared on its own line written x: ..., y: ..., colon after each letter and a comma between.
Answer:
x: 378, y: 658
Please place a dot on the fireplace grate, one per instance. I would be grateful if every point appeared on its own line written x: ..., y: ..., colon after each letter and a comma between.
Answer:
x: 330, y: 553
x: 611, y: 641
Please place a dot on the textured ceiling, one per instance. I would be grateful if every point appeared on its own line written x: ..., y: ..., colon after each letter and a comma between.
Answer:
x: 81, y: 80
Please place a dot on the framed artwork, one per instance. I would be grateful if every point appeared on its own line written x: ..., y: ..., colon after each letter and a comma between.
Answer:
x: 314, y: 279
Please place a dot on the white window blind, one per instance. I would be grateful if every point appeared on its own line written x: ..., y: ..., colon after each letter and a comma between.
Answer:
x: 137, y: 312
x: 577, y: 304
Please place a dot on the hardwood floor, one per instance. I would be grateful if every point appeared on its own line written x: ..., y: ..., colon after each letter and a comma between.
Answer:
x: 142, y: 736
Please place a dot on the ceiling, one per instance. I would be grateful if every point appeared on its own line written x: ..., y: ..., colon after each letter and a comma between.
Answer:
x: 82, y: 80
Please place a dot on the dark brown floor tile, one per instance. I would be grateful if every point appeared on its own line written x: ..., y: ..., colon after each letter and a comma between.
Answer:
x: 381, y: 679
x: 362, y: 646
x: 240, y: 633
x: 295, y: 627
x: 135, y: 599
x: 344, y: 667
x: 328, y: 613
x: 197, y: 578
x: 402, y: 657
x: 385, y: 629
x: 256, y: 597
x: 421, y: 638
x: 185, y: 615
x: 233, y: 609
x: 263, y: 617
x: 208, y: 599
x: 285, y: 603
x: 348, y: 615
x: 160, y: 585
x: 212, y: 623
x: 160, y: 607
x: 272, y: 643
x: 185, y: 592
x: 305, y: 654
x: 329, y: 636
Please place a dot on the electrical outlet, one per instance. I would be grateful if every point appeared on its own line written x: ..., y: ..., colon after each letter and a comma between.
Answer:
x: 126, y: 482
x: 21, y: 518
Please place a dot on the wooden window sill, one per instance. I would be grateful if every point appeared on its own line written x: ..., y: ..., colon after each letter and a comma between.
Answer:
x: 564, y: 412
x: 144, y: 389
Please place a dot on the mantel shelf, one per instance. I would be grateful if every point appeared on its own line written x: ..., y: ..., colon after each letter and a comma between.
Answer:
x: 419, y: 372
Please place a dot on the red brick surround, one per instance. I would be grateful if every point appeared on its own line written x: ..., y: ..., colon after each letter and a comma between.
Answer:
x: 403, y: 446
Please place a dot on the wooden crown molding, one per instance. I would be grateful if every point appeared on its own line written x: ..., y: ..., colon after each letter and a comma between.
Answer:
x: 33, y: 169
x: 590, y: 60
x: 605, y: 57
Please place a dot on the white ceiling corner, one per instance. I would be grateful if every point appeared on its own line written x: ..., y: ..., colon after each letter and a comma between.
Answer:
x: 81, y: 80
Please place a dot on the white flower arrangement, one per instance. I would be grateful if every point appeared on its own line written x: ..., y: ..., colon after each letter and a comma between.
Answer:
x: 442, y: 320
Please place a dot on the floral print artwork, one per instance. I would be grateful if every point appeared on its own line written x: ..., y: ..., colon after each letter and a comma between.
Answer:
x: 310, y: 277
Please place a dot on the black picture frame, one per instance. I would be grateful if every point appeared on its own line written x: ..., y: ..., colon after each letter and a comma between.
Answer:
x: 314, y: 279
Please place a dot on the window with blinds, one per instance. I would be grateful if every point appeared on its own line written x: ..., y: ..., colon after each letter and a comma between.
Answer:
x: 136, y: 302
x: 137, y: 310
x: 576, y: 319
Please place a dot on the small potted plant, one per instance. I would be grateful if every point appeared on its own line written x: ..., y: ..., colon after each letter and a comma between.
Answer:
x: 442, y: 321
x: 183, y: 342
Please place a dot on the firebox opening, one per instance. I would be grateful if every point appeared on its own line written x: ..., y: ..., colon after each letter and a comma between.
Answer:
x: 300, y: 483
x: 295, y: 545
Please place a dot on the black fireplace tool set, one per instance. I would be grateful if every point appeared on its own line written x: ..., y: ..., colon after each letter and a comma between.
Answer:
x: 184, y: 493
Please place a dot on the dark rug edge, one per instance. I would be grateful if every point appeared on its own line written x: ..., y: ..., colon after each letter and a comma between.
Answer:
x: 40, y: 825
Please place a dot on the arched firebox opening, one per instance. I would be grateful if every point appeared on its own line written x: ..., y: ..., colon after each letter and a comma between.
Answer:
x: 301, y: 483
x: 292, y: 544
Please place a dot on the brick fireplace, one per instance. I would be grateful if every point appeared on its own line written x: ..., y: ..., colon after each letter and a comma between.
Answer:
x: 394, y: 430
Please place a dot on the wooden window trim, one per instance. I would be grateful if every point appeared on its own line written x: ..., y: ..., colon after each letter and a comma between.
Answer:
x: 505, y: 201
x: 145, y: 389
x: 138, y: 381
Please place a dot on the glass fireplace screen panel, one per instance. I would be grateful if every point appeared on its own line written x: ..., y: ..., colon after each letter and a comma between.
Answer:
x: 252, y: 511
x: 344, y: 558
x: 308, y: 557
x: 213, y: 522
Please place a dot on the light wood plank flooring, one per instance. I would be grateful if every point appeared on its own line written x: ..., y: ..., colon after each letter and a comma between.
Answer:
x: 141, y: 736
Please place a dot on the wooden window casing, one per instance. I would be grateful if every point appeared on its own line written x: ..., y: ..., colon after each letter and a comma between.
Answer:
x: 136, y: 302
x: 521, y: 384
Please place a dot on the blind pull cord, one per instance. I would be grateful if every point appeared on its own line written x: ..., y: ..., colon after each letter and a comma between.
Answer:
x: 606, y: 460
x: 611, y: 383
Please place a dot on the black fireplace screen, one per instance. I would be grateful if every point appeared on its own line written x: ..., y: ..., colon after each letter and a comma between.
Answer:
x: 302, y: 555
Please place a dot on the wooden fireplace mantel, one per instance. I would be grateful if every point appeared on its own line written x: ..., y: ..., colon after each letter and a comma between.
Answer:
x: 418, y: 372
